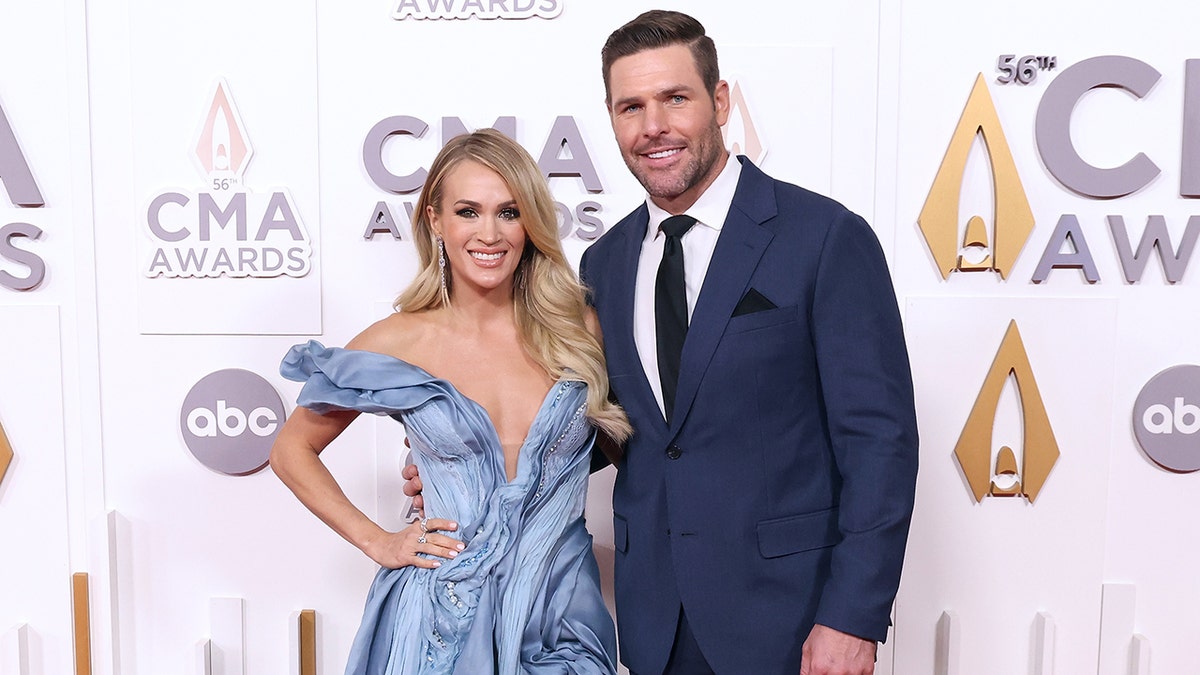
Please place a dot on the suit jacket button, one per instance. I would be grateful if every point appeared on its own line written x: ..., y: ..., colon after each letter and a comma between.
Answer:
x: 674, y: 452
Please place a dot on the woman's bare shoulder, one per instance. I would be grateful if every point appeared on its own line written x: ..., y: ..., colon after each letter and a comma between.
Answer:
x: 396, y: 335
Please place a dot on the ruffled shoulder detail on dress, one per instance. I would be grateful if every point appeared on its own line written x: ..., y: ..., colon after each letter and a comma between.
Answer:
x: 350, y: 379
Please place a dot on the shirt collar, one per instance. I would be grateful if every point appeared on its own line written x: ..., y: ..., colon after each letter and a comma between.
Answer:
x: 713, y: 205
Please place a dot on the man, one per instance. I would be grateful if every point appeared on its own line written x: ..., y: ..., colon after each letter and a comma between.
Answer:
x: 761, y: 512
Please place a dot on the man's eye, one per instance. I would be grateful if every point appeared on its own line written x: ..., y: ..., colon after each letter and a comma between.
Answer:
x: 510, y: 214
x: 677, y: 99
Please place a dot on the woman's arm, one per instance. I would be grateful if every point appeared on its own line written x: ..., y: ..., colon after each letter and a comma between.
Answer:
x: 295, y: 458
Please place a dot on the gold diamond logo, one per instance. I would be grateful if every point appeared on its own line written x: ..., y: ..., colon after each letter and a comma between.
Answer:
x: 1040, y: 448
x: 1012, y: 220
x: 6, y: 453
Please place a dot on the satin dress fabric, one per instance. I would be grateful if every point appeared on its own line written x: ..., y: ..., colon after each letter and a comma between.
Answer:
x: 524, y: 595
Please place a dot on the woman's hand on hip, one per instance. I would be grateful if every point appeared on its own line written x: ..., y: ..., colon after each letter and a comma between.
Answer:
x: 400, y: 549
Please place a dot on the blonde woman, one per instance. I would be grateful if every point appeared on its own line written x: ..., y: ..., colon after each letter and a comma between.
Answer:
x: 493, y: 364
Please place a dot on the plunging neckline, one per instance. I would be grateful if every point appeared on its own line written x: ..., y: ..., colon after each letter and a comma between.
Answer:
x: 491, y: 425
x: 527, y: 580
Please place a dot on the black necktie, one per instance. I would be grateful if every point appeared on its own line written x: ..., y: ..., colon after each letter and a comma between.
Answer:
x: 670, y: 307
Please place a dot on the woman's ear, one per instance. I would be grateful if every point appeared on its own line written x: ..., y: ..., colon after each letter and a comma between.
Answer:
x: 432, y: 216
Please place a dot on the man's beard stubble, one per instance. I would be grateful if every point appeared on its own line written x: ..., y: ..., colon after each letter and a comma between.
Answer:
x: 706, y: 153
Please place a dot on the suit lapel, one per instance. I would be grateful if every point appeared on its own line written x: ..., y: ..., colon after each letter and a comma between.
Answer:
x: 739, y: 248
x: 618, y: 333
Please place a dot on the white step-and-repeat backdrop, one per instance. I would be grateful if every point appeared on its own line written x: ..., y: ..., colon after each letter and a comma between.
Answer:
x: 190, y: 188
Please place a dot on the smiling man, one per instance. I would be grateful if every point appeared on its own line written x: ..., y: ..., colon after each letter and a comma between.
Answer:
x: 752, y: 334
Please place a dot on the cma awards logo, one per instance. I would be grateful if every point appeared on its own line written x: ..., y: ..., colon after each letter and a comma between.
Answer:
x: 23, y: 191
x: 482, y: 9
x: 225, y: 229
x: 993, y: 244
x: 1166, y: 419
x: 229, y: 421
x: 1000, y: 472
x: 563, y: 155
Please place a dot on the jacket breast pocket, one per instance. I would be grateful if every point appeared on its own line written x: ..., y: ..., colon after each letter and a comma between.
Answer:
x: 620, y: 533
x: 764, y: 319
x: 795, y: 534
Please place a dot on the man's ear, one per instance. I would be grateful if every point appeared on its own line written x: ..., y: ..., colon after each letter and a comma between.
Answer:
x: 721, y: 102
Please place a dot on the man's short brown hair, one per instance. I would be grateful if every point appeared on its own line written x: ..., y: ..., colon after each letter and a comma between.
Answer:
x: 662, y: 28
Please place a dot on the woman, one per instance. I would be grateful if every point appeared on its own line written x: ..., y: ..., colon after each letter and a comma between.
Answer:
x: 493, y: 364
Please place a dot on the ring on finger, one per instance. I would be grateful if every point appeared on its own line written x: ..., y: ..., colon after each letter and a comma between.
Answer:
x: 421, y: 539
x: 424, y: 525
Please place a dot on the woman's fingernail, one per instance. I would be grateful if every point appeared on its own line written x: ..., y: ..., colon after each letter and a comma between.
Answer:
x: 453, y: 554
x: 460, y: 546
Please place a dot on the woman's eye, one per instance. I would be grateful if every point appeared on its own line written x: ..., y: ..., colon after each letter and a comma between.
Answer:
x: 465, y: 213
x: 510, y: 214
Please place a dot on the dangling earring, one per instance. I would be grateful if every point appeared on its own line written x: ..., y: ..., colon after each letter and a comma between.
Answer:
x: 442, y: 271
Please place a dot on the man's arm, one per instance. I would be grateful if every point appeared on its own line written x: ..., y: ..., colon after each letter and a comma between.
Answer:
x: 866, y: 386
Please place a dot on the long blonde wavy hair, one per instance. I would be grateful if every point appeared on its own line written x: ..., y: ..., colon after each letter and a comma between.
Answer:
x: 547, y: 297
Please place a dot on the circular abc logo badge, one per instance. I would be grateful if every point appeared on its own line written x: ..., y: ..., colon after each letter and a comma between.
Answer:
x: 1166, y: 419
x: 229, y: 421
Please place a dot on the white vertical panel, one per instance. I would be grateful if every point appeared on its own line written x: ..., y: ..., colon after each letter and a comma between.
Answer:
x: 14, y: 651
x: 81, y: 349
x: 117, y: 588
x: 228, y: 637
x: 83, y: 431
x: 175, y: 64
x: 293, y: 655
x: 1000, y: 561
x: 1139, y: 657
x: 204, y: 660
x: 946, y: 650
x: 34, y: 520
x: 1116, y: 628
x: 102, y: 586
x: 1043, y: 644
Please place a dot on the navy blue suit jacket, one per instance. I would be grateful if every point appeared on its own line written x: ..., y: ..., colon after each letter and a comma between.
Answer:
x: 780, y: 495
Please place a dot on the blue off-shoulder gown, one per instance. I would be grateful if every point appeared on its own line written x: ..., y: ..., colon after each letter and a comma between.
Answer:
x: 524, y: 595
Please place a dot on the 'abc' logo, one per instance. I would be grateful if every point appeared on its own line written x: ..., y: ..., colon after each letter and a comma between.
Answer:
x: 229, y: 421
x: 1165, y: 423
x: 1184, y: 418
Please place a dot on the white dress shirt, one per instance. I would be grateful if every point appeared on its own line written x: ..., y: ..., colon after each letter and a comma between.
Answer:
x: 698, y: 243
